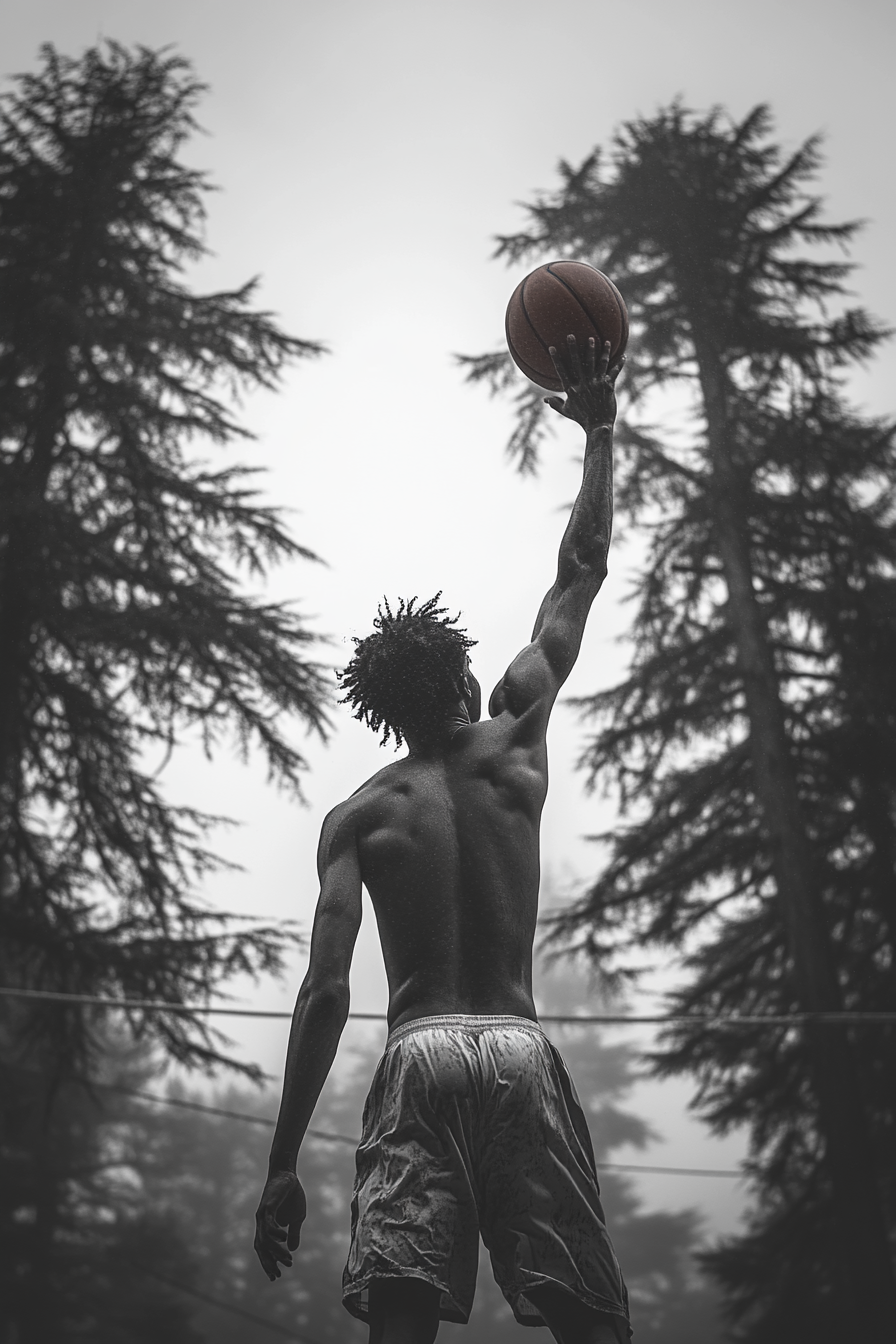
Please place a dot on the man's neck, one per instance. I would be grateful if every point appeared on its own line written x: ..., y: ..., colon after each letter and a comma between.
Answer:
x: 431, y: 748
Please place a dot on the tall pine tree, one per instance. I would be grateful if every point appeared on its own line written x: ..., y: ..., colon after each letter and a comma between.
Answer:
x: 122, y: 620
x: 122, y: 616
x: 752, y: 744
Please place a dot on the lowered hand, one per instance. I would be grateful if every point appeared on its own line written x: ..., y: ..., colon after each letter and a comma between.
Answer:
x: 278, y: 1221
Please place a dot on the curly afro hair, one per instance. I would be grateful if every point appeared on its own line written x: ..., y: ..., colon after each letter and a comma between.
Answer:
x: 403, y: 678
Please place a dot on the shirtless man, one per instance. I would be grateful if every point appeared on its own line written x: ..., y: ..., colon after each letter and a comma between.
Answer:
x: 472, y: 1124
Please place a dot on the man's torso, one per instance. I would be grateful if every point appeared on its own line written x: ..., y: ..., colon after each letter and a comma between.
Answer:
x: 448, y: 850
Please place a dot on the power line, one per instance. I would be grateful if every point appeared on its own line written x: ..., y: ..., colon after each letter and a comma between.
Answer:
x: 232, y: 1307
x: 219, y: 1110
x: 668, y: 1171
x: 328, y: 1136
x: 849, y: 1018
x: 345, y: 1138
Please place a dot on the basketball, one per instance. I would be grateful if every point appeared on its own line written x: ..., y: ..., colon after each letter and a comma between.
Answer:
x: 557, y: 300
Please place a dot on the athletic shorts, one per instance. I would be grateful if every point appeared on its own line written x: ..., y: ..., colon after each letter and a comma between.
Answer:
x: 472, y: 1125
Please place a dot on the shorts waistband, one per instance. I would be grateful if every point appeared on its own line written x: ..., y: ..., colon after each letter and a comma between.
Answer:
x: 472, y: 1022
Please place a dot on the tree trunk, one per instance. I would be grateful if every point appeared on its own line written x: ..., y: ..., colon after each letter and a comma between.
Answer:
x: 868, y: 1282
x: 21, y: 582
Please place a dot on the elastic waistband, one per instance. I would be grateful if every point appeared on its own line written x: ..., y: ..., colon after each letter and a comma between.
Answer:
x: 468, y: 1022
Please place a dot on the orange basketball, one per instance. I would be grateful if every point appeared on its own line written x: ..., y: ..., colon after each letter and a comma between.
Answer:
x: 554, y: 301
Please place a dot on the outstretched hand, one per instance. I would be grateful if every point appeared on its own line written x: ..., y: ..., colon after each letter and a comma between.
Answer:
x: 279, y: 1220
x: 590, y: 396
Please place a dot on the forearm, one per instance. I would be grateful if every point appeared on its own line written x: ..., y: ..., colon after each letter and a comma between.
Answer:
x: 586, y: 541
x: 317, y: 1025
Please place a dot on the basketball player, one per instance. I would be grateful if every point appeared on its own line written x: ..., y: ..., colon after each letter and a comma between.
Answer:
x: 472, y: 1123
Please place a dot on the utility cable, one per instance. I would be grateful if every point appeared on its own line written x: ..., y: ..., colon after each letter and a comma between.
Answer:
x: 219, y: 1110
x: 232, y: 1307
x: 846, y: 1018
x: 328, y: 1136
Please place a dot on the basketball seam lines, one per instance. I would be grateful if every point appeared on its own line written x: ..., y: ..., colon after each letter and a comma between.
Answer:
x: 531, y: 326
x: 588, y: 314
x: 536, y: 375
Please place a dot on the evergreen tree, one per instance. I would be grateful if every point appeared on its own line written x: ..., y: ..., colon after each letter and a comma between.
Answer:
x: 753, y: 743
x: 122, y: 620
x: 122, y: 617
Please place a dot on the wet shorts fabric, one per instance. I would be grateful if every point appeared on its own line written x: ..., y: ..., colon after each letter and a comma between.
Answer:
x: 472, y: 1125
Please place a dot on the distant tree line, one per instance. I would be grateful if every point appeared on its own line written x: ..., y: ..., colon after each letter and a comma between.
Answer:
x: 752, y: 744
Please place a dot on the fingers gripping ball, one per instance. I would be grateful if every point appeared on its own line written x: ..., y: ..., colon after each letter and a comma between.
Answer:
x: 557, y: 300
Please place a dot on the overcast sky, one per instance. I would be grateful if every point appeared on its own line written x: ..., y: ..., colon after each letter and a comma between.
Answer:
x: 366, y: 153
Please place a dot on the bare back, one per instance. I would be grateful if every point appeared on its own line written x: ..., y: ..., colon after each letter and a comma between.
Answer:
x: 448, y: 850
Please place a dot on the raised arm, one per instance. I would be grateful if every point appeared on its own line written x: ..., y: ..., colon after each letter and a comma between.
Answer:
x: 537, y: 673
x: 320, y: 1014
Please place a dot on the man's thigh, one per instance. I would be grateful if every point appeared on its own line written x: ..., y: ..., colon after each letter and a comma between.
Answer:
x: 403, y: 1311
x: 572, y: 1322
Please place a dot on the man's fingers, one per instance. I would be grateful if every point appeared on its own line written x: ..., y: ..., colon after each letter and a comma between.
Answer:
x: 268, y: 1264
x: 604, y: 360
x: 273, y: 1249
x: 279, y: 1255
x: 296, y: 1219
x: 560, y: 370
x: 272, y: 1270
x: 616, y: 369
x: 575, y: 359
x: 278, y: 1222
x: 590, y: 356
x: 270, y: 1235
x: 555, y: 403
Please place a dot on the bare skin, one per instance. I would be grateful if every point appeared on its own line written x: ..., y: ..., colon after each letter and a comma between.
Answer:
x: 446, y: 841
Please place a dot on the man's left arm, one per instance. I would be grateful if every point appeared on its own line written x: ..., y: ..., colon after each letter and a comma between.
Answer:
x: 320, y: 1014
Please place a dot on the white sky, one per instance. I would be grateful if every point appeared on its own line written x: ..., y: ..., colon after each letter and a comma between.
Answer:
x: 366, y: 153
